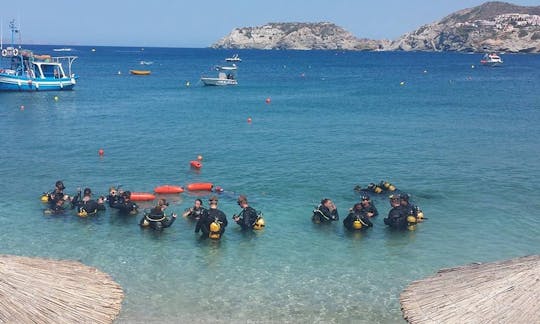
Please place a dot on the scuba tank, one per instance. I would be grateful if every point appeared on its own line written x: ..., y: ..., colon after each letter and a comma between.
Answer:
x: 357, y: 224
x: 215, y: 230
x: 259, y: 222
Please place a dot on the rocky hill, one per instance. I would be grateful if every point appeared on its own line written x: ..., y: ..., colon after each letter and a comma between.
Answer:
x: 493, y: 26
x: 298, y: 36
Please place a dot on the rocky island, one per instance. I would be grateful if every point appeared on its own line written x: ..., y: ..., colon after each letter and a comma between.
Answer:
x: 492, y: 26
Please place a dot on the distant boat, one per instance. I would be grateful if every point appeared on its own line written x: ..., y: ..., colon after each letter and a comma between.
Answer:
x: 491, y: 59
x: 146, y: 62
x: 140, y: 72
x: 234, y: 58
x: 22, y: 70
x: 66, y: 49
x: 226, y: 76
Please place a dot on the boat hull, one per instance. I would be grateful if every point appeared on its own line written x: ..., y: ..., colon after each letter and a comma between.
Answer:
x: 218, y: 81
x: 18, y: 83
x: 140, y: 72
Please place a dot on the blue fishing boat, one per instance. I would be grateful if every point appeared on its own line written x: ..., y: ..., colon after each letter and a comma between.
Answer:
x: 22, y: 70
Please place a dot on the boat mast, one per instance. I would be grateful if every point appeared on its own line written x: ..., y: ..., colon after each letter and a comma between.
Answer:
x: 14, y: 31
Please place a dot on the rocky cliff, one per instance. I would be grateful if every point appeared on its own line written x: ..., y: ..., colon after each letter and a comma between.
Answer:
x: 298, y: 36
x: 493, y: 26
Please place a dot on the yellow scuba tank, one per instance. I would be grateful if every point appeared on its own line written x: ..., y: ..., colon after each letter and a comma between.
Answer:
x: 357, y: 224
x: 82, y: 213
x: 259, y: 223
x: 215, y: 229
x: 44, y: 198
x: 391, y: 187
x: 377, y: 189
x: 411, y: 219
x: 420, y: 214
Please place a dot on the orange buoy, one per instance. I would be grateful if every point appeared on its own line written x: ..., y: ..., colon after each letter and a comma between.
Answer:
x: 142, y: 196
x: 200, y: 186
x: 101, y: 152
x: 195, y: 164
x: 168, y: 189
x: 268, y: 100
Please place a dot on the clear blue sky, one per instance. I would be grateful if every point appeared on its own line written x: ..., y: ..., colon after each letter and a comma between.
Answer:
x: 199, y: 23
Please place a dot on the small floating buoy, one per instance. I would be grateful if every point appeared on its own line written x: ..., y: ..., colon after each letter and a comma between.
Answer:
x: 402, y: 83
x: 119, y: 72
x: 199, y: 157
x: 22, y: 107
x: 249, y: 120
x: 55, y: 98
x: 425, y: 71
x: 268, y: 100
x: 188, y: 84
x: 472, y: 66
x: 101, y: 152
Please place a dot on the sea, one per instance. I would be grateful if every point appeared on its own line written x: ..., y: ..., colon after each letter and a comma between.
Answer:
x: 460, y: 138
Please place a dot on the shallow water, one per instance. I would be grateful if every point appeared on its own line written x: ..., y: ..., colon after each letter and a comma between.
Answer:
x: 462, y: 141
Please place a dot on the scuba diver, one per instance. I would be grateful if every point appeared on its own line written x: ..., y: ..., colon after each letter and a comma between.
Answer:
x: 113, y: 198
x: 397, y: 216
x: 212, y: 222
x: 57, y: 194
x: 248, y: 218
x: 196, y: 211
x: 86, y: 205
x: 368, y: 208
x: 357, y: 219
x: 156, y: 218
x: 125, y: 205
x: 325, y: 212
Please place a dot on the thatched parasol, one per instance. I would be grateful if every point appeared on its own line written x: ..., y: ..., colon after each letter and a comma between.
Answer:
x: 53, y: 291
x: 498, y: 292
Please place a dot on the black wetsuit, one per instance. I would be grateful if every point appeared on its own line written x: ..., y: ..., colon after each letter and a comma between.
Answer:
x: 54, y: 197
x: 125, y: 206
x: 90, y: 206
x: 397, y: 218
x: 322, y: 215
x: 248, y: 217
x: 349, y: 220
x: 410, y: 210
x: 369, y: 209
x: 113, y: 200
x: 209, y: 216
x: 156, y: 219
x: 196, y: 213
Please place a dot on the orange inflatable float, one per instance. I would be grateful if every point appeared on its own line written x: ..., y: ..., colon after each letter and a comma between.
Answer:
x: 195, y: 164
x: 142, y: 196
x: 200, y: 186
x: 168, y: 189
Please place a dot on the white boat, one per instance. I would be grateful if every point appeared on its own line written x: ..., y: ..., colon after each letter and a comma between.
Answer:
x: 146, y: 62
x: 491, y: 59
x: 67, y: 49
x: 226, y: 76
x: 234, y: 58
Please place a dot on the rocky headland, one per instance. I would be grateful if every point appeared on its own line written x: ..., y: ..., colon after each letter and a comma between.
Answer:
x: 492, y: 26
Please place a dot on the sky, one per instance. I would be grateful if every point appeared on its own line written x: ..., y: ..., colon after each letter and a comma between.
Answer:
x: 200, y: 23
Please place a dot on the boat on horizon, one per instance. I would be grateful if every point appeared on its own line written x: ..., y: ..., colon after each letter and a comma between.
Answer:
x: 65, y: 49
x: 234, y: 58
x: 23, y: 70
x: 140, y: 72
x: 146, y: 62
x: 491, y: 59
x: 226, y: 76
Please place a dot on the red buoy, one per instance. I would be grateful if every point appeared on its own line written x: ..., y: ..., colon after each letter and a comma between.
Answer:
x: 142, y: 196
x: 268, y: 100
x: 195, y: 164
x: 168, y: 189
x: 249, y: 120
x: 203, y: 186
x: 101, y: 152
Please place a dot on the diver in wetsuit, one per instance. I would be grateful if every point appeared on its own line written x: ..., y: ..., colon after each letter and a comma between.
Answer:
x: 57, y: 194
x: 357, y: 219
x: 86, y: 205
x: 212, y: 222
x: 125, y: 205
x: 196, y: 211
x: 368, y: 208
x: 248, y: 216
x: 156, y: 219
x: 397, y: 216
x: 325, y: 212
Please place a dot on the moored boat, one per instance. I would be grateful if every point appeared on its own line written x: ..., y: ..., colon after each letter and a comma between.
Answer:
x: 491, y: 59
x: 234, y: 58
x: 226, y: 76
x: 22, y: 70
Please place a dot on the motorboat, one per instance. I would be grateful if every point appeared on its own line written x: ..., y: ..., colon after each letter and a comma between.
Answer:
x: 234, y: 58
x: 146, y: 62
x: 22, y: 70
x: 491, y: 59
x: 226, y: 76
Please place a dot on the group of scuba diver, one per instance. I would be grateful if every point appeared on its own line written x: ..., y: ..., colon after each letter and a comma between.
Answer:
x: 211, y: 222
x: 402, y: 215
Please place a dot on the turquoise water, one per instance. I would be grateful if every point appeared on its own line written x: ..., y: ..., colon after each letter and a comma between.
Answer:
x: 462, y: 141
